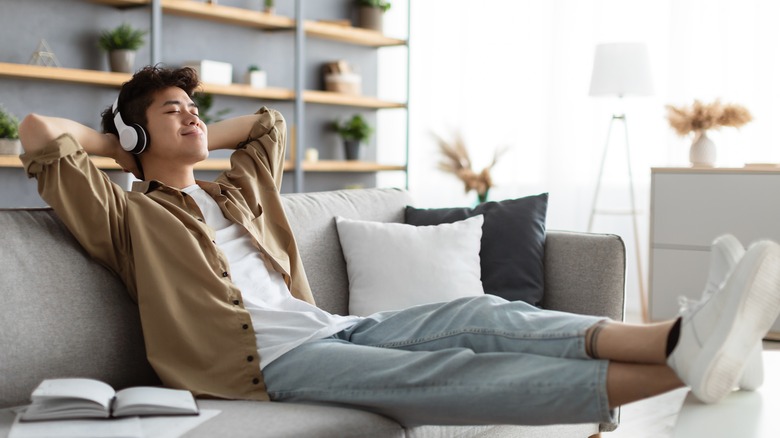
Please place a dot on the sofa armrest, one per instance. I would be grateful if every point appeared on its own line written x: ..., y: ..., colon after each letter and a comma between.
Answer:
x: 585, y: 273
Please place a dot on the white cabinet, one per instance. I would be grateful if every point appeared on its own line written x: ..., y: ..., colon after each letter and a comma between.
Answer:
x: 689, y: 209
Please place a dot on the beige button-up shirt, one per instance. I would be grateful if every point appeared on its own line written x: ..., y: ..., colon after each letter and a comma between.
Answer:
x: 197, y: 332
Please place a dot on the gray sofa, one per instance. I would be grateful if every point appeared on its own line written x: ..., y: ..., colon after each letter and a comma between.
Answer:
x: 63, y: 314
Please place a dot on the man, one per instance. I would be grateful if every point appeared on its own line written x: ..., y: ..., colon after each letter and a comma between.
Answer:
x: 227, y: 311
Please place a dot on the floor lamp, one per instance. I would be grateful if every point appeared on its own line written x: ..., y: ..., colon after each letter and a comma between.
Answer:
x: 621, y: 69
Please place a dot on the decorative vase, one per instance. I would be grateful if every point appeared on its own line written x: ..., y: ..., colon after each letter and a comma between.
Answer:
x: 703, y: 151
x: 256, y: 79
x: 371, y: 18
x: 352, y: 149
x: 10, y: 146
x: 121, y: 60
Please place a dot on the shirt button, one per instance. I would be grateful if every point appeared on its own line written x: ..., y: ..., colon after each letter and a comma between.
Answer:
x: 236, y: 302
x: 200, y: 219
x: 224, y: 274
x: 255, y: 381
x: 245, y: 326
x: 250, y: 358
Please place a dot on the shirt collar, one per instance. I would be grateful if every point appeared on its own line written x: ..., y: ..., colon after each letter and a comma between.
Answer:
x: 211, y: 188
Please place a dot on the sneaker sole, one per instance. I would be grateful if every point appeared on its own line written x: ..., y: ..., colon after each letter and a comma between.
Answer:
x: 753, y: 314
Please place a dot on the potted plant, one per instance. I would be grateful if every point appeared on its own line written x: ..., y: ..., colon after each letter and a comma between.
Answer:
x: 204, y: 101
x: 701, y: 117
x: 256, y: 77
x: 353, y: 132
x: 121, y: 44
x: 268, y: 6
x: 9, y: 133
x: 371, y: 13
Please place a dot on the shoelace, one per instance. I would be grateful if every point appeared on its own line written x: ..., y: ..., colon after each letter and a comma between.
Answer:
x: 686, y: 304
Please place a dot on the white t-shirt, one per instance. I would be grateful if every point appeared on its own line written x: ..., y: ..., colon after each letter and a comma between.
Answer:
x: 281, y: 321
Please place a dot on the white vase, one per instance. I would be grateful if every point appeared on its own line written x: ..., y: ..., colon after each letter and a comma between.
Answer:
x: 256, y: 79
x: 10, y: 146
x: 703, y: 151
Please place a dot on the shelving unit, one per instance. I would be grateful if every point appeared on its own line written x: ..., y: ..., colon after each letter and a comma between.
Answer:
x: 218, y: 164
x: 246, y: 18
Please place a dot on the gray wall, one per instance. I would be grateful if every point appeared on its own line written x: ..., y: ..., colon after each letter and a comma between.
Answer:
x: 71, y: 28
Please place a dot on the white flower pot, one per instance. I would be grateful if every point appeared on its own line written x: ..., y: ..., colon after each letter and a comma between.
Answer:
x: 257, y: 79
x: 10, y: 146
x: 703, y: 151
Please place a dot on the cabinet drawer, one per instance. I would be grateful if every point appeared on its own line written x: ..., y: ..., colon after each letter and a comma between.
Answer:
x: 690, y: 210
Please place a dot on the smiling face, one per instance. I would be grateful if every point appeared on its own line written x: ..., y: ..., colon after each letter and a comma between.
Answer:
x: 177, y: 134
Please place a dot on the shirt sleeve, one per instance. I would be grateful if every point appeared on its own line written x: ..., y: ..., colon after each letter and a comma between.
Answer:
x: 258, y: 163
x: 90, y: 205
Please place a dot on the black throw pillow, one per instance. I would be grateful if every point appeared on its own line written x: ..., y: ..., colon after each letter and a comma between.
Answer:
x: 512, y: 247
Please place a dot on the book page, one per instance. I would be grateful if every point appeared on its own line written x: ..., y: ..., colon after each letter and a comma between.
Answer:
x: 87, y: 389
x: 148, y: 400
x: 70, y: 398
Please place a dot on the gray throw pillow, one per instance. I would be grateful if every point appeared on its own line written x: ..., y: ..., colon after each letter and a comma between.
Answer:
x: 512, y: 246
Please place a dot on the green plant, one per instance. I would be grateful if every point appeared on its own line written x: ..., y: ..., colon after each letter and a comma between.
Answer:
x: 269, y: 3
x: 252, y: 68
x: 122, y: 37
x: 355, y: 128
x: 9, y: 125
x: 384, y: 5
x: 204, y: 101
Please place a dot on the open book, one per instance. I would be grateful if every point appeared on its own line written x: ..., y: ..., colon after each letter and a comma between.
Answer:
x: 56, y: 399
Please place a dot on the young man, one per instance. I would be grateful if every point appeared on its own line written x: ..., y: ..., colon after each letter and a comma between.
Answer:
x: 227, y: 311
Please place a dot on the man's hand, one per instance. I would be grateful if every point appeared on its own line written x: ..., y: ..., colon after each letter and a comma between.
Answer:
x: 124, y: 159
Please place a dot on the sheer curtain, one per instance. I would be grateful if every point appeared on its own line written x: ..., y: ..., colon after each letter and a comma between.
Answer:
x: 516, y: 73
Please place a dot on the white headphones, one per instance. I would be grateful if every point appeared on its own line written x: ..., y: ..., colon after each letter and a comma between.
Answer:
x: 133, y: 138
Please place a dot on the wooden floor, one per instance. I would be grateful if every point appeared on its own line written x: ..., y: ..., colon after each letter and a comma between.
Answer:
x: 655, y: 417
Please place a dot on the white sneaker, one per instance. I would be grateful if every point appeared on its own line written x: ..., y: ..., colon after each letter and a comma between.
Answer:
x: 717, y: 335
x: 725, y: 253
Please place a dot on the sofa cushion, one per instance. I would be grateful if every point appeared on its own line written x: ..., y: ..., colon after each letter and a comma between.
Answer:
x: 395, y: 266
x: 311, y: 218
x: 513, y: 235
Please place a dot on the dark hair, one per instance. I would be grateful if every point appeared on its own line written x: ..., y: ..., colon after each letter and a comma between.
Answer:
x: 136, y: 95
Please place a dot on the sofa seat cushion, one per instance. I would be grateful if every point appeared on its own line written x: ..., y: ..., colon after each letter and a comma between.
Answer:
x: 242, y: 418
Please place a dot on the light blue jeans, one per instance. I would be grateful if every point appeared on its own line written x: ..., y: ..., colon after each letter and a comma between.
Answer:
x: 477, y: 360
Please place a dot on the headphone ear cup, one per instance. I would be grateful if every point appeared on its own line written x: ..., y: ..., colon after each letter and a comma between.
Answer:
x: 133, y: 138
x: 142, y: 139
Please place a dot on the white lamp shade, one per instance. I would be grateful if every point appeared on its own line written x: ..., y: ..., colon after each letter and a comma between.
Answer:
x: 621, y: 69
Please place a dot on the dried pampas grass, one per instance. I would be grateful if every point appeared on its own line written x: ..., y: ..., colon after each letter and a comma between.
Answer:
x: 700, y: 117
x: 457, y: 161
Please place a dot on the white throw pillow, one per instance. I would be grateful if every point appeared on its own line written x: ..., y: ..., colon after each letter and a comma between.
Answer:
x: 393, y: 266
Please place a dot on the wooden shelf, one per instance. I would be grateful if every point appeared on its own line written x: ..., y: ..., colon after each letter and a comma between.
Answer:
x: 331, y: 98
x: 244, y: 90
x: 109, y: 164
x: 227, y: 14
x: 109, y: 79
x: 73, y: 75
x: 262, y: 20
x: 345, y: 166
x: 10, y: 161
x: 219, y: 164
x: 349, y: 34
